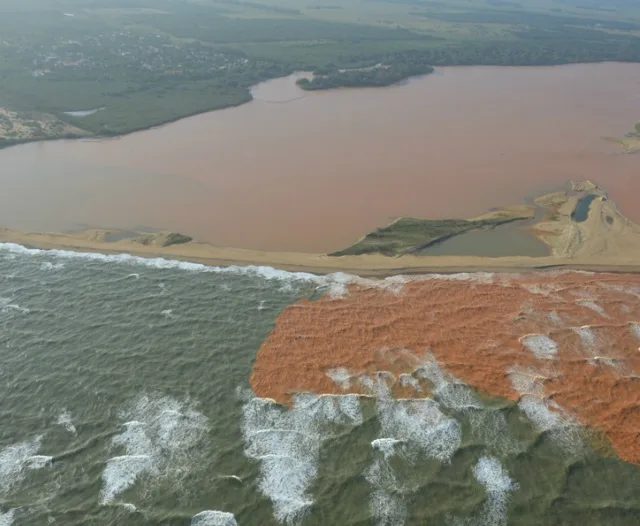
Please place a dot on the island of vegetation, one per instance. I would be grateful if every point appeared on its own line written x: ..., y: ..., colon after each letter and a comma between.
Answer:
x: 109, y: 67
x: 397, y: 68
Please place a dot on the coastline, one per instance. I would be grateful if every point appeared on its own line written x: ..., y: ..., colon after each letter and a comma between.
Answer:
x: 375, y: 266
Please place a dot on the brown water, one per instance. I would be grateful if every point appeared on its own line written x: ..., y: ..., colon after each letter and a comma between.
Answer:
x: 320, y: 170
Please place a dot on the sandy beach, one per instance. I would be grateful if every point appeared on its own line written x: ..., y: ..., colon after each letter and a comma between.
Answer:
x: 365, y: 266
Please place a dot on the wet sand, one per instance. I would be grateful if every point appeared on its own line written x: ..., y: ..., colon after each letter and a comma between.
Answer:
x: 562, y: 345
x: 316, y: 173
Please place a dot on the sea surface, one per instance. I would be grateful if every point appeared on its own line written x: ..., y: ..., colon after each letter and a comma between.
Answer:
x: 125, y: 399
x: 315, y: 171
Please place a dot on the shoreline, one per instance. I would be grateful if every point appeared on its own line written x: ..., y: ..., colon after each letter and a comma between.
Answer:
x: 4, y: 144
x: 373, y: 266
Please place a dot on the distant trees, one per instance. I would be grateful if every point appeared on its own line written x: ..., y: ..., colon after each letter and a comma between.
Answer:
x: 638, y: 127
x: 393, y: 69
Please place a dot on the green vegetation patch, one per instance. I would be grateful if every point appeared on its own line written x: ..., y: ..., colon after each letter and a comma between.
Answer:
x: 176, y: 238
x: 409, y: 234
x: 399, y: 67
x: 148, y: 62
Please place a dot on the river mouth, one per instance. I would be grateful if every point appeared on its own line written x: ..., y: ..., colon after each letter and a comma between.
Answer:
x: 316, y: 173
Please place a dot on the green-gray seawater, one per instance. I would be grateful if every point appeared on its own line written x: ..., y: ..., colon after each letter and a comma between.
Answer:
x: 124, y: 400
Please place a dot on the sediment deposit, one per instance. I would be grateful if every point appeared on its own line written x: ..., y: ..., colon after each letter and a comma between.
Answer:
x: 562, y: 345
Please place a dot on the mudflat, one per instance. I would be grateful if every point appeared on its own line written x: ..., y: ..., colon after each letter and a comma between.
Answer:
x: 318, y: 172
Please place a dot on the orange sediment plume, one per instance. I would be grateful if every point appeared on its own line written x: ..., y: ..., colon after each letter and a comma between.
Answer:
x: 568, y: 339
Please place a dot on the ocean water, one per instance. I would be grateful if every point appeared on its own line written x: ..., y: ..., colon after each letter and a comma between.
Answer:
x: 125, y: 399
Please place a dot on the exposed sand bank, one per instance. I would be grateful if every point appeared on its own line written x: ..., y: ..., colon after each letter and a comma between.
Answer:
x: 366, y: 265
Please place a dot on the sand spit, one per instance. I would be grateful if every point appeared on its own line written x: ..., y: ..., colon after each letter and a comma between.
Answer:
x: 96, y: 241
x: 604, y: 241
x: 529, y: 338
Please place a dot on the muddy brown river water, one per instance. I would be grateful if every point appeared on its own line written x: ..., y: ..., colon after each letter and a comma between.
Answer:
x: 314, y: 171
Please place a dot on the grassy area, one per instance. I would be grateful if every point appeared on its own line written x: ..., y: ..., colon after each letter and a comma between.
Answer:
x: 148, y: 62
x: 408, y: 234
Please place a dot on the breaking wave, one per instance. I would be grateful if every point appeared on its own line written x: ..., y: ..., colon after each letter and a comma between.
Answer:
x: 540, y: 345
x: 545, y: 415
x: 65, y: 420
x: 498, y: 486
x: 213, y: 518
x: 16, y: 459
x: 488, y: 425
x: 409, y: 428
x: 156, y: 437
x: 287, y: 443
x: 7, y: 518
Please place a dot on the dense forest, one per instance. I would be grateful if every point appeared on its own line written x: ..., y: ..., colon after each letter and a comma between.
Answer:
x: 374, y: 76
x: 147, y: 62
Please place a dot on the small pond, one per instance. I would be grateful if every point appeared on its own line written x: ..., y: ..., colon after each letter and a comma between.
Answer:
x: 513, y: 239
x: 581, y: 212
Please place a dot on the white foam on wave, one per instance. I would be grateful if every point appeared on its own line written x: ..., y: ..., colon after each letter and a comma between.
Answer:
x: 213, y: 518
x: 38, y: 462
x: 156, y: 437
x: 540, y: 345
x: 476, y: 277
x: 545, y: 415
x: 589, y: 339
x: 527, y: 381
x: 542, y: 289
x: 408, y: 427
x: 498, y: 485
x: 555, y: 318
x: 593, y: 306
x: 7, y: 518
x: 121, y: 473
x: 488, y: 425
x: 385, y: 504
x: 65, y: 420
x: 160, y: 263
x: 387, y: 446
x: 387, y: 508
x: 6, y: 306
x: 168, y: 313
x: 340, y: 377
x: 587, y: 336
x: 14, y: 460
x: 406, y: 380
x: 47, y: 265
x: 420, y: 424
x: 287, y: 443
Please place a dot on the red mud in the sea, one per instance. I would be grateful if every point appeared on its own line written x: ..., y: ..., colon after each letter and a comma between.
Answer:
x: 476, y: 328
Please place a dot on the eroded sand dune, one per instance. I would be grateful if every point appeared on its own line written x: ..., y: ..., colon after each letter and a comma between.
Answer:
x: 564, y: 345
